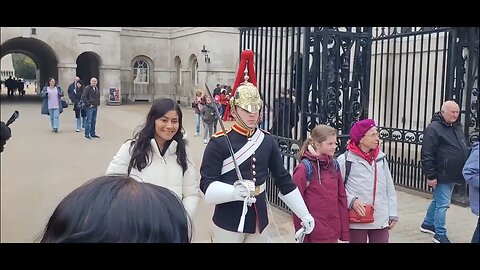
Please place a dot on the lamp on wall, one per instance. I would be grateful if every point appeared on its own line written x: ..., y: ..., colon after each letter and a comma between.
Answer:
x: 205, y: 53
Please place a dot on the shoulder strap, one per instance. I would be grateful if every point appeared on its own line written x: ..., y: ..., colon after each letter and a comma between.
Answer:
x: 337, y: 166
x: 308, y: 167
x: 348, y: 167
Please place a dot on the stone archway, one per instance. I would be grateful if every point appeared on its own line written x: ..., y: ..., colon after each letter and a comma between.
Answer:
x: 40, y: 52
x: 88, y: 66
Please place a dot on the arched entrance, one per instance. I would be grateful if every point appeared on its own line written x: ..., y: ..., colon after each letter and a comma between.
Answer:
x: 87, y: 67
x: 40, y: 52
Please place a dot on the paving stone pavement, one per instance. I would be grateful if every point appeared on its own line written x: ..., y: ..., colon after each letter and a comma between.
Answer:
x: 39, y: 168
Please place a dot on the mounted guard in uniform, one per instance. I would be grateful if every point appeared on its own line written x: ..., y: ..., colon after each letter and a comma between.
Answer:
x: 236, y: 185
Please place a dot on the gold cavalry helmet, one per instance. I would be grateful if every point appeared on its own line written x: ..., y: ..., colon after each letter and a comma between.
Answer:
x: 247, y: 97
x: 246, y: 94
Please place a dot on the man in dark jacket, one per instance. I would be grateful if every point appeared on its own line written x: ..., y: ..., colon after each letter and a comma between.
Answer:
x: 444, y: 152
x: 91, y: 98
x: 284, y: 116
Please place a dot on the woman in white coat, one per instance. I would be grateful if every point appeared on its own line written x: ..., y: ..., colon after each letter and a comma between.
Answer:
x: 158, y: 154
x: 369, y: 184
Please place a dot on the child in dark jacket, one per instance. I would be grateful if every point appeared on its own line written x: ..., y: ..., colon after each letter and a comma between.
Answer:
x: 324, y: 194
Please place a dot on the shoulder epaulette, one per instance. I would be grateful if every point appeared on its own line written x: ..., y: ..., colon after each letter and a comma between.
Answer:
x: 221, y: 133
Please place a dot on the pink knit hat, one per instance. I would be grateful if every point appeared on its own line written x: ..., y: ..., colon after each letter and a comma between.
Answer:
x: 360, y: 128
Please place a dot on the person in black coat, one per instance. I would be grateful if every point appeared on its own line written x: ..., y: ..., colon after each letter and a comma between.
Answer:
x: 72, y: 86
x: 444, y: 152
x: 91, y: 98
x: 284, y: 116
x: 75, y: 95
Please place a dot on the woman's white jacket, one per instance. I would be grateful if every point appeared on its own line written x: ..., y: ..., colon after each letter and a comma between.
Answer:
x: 360, y: 185
x: 162, y: 171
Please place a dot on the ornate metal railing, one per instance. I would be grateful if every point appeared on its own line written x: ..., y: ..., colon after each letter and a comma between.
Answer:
x: 398, y: 76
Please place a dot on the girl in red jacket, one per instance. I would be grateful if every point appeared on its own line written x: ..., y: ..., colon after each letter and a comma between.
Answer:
x: 320, y: 182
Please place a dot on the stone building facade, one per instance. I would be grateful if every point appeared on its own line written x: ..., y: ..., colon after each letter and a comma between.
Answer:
x: 145, y: 63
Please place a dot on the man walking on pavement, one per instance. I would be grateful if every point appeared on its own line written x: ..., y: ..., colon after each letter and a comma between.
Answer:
x: 91, y: 98
x: 444, y: 152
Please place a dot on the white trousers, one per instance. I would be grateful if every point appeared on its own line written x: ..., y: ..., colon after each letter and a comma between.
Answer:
x: 224, y: 236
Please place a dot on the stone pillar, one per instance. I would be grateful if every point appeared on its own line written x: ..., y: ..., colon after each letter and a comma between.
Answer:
x: 66, y: 75
x: 110, y: 77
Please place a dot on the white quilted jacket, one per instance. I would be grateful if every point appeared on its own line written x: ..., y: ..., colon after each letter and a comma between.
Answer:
x: 163, y: 171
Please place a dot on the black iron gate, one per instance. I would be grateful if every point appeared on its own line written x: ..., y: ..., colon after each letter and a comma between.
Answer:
x: 414, y: 70
x: 336, y: 76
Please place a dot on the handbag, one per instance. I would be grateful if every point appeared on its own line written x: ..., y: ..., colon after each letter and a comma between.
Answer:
x: 354, y: 217
x: 64, y: 103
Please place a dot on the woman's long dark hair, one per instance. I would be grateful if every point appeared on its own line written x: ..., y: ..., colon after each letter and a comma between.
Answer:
x: 142, y: 149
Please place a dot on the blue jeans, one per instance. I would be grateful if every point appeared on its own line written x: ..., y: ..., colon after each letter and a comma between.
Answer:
x: 54, y: 117
x: 197, y: 123
x: 208, y: 130
x: 437, y: 211
x: 91, y: 122
x: 81, y: 122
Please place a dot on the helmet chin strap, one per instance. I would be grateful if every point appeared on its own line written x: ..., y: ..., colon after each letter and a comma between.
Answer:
x: 242, y: 123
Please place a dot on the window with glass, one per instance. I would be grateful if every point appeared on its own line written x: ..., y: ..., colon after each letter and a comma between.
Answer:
x: 141, y: 72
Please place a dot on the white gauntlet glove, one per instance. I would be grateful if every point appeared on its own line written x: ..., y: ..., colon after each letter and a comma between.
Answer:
x: 295, y: 202
x: 220, y: 192
x: 309, y: 223
x: 245, y: 188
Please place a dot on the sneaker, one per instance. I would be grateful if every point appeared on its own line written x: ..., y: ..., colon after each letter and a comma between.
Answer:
x: 78, y: 130
x: 55, y: 130
x: 88, y: 138
x: 440, y: 239
x: 205, y: 141
x: 95, y: 136
x: 427, y: 228
x: 195, y: 135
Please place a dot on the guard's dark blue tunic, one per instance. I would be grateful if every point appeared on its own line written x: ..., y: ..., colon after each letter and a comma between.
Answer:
x: 265, y: 159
